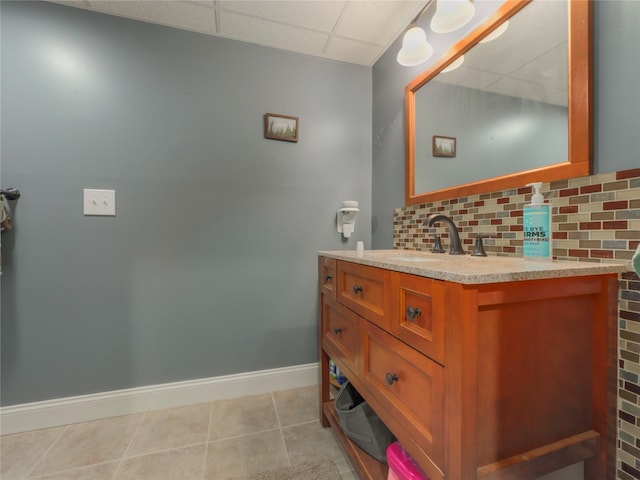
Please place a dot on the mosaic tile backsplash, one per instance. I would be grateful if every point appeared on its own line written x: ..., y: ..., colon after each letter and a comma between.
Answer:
x: 595, y: 218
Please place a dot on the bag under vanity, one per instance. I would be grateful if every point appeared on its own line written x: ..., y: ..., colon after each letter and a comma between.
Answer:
x: 361, y: 424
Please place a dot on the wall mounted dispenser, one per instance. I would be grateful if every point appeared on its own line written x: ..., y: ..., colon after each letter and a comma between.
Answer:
x: 346, y: 218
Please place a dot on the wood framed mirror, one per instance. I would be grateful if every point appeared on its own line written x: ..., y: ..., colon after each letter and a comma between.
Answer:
x: 427, y: 117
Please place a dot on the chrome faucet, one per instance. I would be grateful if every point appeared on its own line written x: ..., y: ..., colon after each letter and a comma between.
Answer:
x: 456, y: 247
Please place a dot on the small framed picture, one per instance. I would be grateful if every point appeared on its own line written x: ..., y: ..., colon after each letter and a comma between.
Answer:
x: 281, y: 127
x: 444, y: 146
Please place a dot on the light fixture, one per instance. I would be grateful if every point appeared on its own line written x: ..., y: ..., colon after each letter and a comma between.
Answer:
x: 496, y: 33
x: 459, y: 61
x: 415, y: 48
x: 451, y: 15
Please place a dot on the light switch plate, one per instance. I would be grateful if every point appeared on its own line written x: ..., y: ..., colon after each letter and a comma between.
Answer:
x: 99, y: 202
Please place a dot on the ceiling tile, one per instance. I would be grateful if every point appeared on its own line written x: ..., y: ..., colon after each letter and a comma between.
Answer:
x: 469, y: 77
x: 271, y: 34
x: 549, y: 69
x: 560, y: 98
x: 521, y: 88
x: 194, y: 16
x: 317, y: 15
x: 378, y: 22
x: 352, y: 51
x: 539, y: 27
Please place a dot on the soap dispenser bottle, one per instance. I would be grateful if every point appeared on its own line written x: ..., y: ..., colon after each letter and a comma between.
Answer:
x: 537, y: 226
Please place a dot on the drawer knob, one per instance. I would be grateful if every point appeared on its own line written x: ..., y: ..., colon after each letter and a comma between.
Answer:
x: 413, y: 312
x: 357, y: 289
x: 327, y: 278
x: 392, y: 377
x: 337, y: 331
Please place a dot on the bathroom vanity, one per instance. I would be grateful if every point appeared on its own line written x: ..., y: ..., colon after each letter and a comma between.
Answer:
x: 483, y: 368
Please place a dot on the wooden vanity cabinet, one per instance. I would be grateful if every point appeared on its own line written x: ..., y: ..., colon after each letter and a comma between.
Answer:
x: 341, y: 335
x: 491, y: 381
x: 419, y: 314
x: 327, y: 269
x: 409, y: 386
x: 366, y: 291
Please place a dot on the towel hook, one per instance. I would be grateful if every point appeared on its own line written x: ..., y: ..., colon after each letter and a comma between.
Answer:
x: 11, y: 193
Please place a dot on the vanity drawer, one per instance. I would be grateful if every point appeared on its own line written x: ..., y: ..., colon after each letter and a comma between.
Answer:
x: 341, y: 335
x: 419, y: 317
x: 410, y: 387
x: 328, y: 276
x: 366, y: 290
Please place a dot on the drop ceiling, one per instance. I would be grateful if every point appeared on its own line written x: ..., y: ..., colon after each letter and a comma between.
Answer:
x: 352, y: 31
x: 529, y: 61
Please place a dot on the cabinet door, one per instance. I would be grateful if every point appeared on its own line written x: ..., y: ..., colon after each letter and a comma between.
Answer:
x: 419, y: 317
x: 365, y: 290
x: 409, y: 386
x: 341, y: 335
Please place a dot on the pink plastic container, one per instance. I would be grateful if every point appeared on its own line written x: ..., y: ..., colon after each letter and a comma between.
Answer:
x: 401, y: 465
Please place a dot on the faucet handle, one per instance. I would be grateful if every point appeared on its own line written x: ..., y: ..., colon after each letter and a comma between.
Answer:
x: 478, y: 249
x: 437, y: 246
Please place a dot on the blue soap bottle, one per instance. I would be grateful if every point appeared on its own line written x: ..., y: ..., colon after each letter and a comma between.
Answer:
x: 537, y: 226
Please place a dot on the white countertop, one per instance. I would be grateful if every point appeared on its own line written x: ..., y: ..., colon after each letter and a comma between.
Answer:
x: 472, y: 270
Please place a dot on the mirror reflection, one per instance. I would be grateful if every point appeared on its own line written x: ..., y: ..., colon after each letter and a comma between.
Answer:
x: 506, y: 105
x: 516, y: 110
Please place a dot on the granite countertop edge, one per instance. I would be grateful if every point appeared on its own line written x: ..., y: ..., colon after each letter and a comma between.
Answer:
x: 467, y: 269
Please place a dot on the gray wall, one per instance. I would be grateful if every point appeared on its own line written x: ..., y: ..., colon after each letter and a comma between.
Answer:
x: 617, y: 110
x: 209, y: 267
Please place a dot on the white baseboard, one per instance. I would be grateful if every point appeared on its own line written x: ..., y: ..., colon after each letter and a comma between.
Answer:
x: 64, y: 411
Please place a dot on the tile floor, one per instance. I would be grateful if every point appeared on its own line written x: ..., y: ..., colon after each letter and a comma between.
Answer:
x: 208, y: 441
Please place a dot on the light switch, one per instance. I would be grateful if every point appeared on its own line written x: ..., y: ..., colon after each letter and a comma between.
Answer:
x: 99, y: 202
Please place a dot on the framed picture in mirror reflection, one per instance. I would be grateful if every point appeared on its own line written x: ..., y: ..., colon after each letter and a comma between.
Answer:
x: 444, y: 146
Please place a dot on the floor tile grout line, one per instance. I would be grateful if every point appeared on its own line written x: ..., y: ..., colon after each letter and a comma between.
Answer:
x: 315, y: 420
x: 119, y: 461
x: 69, y: 470
x: 126, y: 450
x: 210, y: 426
x: 275, y: 409
x: 157, y: 452
x: 206, y: 444
x: 46, y: 451
x: 284, y: 443
x: 234, y: 437
x: 133, y: 435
